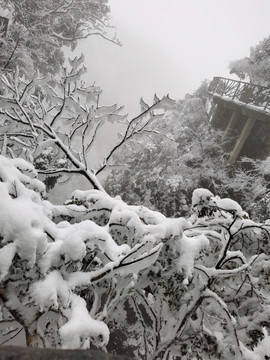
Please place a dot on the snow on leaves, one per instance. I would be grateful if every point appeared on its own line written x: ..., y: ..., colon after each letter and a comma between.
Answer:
x: 69, y: 273
x: 51, y: 257
x: 49, y: 263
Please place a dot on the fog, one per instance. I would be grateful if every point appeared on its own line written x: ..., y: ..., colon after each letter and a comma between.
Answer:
x: 171, y: 46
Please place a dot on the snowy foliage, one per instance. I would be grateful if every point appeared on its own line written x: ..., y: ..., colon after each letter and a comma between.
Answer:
x: 249, y: 185
x: 256, y: 67
x: 45, y: 266
x: 58, y: 124
x: 37, y: 31
x: 205, y: 297
x: 162, y: 168
x: 79, y: 274
x: 72, y: 274
x: 54, y: 124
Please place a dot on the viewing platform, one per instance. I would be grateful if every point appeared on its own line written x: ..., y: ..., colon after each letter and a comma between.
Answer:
x: 242, y: 110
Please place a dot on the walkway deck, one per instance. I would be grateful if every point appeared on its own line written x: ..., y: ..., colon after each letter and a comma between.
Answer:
x: 247, y: 109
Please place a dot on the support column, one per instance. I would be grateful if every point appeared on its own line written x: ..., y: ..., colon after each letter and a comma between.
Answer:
x: 242, y: 139
x: 231, y: 124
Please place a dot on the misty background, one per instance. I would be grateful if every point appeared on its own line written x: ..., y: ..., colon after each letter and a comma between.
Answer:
x: 171, y: 46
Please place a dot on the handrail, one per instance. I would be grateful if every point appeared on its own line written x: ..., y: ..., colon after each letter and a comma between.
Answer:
x: 242, y: 91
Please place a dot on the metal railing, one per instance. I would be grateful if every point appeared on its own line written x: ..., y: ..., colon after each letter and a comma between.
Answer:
x: 245, y: 92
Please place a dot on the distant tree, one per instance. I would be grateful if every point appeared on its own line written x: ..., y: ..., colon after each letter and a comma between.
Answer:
x: 250, y: 186
x: 147, y: 174
x: 202, y: 91
x: 256, y: 67
x: 162, y: 168
x: 39, y: 29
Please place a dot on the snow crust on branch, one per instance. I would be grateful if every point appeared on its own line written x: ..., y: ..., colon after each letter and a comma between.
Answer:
x: 72, y: 267
x: 81, y: 326
x: 36, y: 233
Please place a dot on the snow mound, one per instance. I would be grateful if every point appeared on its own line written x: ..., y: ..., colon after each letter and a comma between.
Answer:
x: 81, y: 326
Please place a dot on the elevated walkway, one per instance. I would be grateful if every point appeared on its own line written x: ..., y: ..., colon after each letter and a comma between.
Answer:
x: 242, y: 108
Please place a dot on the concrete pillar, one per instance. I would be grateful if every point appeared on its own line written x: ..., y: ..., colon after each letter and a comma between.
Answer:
x: 231, y: 124
x: 242, y: 139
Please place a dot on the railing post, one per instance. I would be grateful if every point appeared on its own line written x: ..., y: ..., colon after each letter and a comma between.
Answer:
x: 223, y: 83
x: 234, y: 95
x: 267, y: 103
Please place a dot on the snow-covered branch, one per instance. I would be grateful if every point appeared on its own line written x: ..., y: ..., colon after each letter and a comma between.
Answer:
x: 138, y: 125
x: 84, y: 260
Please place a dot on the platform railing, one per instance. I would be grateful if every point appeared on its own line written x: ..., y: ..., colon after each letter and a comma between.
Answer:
x: 244, y: 92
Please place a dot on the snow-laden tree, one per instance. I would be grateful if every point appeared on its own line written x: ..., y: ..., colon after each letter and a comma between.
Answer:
x: 207, y: 294
x: 47, y: 267
x: 162, y: 168
x: 63, y: 117
x: 178, y: 288
x: 148, y: 174
x: 255, y: 67
x: 250, y: 186
x: 37, y: 31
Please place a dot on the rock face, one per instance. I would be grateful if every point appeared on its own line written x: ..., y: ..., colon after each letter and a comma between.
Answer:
x: 21, y: 353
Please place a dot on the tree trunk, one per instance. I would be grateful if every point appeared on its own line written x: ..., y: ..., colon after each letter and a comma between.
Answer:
x: 31, y: 335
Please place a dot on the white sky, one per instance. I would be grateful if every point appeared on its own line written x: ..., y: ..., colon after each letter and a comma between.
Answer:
x: 171, y: 46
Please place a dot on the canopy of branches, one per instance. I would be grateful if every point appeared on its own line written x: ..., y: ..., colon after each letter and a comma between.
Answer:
x: 37, y: 31
x: 72, y: 274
